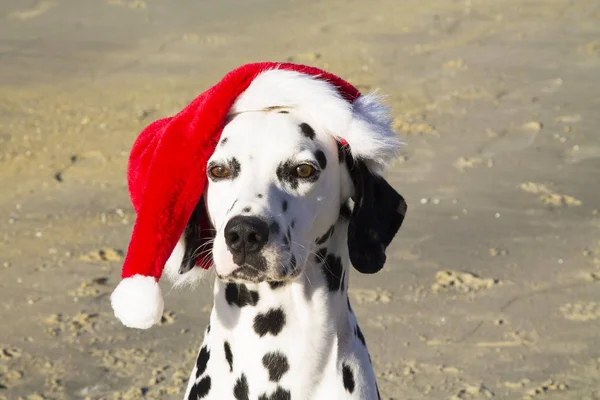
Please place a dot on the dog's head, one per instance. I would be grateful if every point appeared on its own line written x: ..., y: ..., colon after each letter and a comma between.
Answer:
x: 280, y: 180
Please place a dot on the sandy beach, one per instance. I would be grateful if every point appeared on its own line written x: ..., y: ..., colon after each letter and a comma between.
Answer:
x: 492, y: 286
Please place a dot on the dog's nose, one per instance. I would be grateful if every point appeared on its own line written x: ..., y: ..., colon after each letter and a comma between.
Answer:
x: 245, y: 236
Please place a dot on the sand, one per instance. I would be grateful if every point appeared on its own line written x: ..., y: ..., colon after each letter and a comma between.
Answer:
x: 491, y: 289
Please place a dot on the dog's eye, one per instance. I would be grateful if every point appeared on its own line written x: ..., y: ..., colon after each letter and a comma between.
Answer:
x: 219, y: 172
x: 305, y: 171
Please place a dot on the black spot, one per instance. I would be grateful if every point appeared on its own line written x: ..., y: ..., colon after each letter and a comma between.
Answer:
x: 293, y: 262
x: 284, y: 112
x: 276, y: 284
x: 360, y: 335
x: 345, y: 211
x: 320, y: 255
x: 240, y: 390
x: 223, y: 141
x: 321, y: 159
x: 274, y: 228
x: 285, y: 174
x: 240, y: 295
x: 203, y: 387
x: 270, y: 322
x: 202, y: 360
x: 208, y: 329
x: 293, y: 224
x: 234, y: 167
x: 277, y: 365
x: 193, y: 393
x: 307, y: 130
x: 333, y: 272
x: 325, y: 236
x: 284, y: 205
x: 348, y: 378
x: 278, y: 394
x: 246, y: 209
x: 228, y: 355
x: 260, y: 196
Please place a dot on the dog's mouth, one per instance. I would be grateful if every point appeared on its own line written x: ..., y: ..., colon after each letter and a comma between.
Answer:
x: 246, y: 273
x: 277, y: 271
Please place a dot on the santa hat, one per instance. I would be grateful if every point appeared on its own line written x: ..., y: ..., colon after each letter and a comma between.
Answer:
x: 166, y: 171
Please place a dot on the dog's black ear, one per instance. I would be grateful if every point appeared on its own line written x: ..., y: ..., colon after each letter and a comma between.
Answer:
x: 377, y: 215
x: 197, y: 238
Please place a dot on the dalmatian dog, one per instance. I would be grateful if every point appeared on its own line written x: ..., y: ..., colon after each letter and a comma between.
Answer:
x: 293, y: 210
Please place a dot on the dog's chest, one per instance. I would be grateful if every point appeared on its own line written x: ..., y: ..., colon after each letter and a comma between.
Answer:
x: 266, y: 345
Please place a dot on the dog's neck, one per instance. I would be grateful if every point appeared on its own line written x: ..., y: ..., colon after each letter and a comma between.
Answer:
x: 316, y: 298
x: 311, y: 313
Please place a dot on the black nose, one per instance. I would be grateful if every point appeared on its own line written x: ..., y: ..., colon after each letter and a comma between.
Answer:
x: 245, y: 236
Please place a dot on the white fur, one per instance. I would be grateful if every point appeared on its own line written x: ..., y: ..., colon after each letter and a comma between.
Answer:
x: 137, y: 301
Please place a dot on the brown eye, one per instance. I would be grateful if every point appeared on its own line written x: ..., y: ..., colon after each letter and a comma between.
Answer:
x: 219, y: 172
x: 304, y: 171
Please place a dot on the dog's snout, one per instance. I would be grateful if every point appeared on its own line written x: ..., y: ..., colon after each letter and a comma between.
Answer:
x: 244, y: 236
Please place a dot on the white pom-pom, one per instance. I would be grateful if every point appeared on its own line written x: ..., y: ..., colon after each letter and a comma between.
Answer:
x: 137, y: 301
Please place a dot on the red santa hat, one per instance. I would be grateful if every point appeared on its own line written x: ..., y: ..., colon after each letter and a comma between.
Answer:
x: 166, y: 171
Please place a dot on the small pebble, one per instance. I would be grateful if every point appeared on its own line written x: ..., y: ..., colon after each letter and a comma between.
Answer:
x: 38, y: 234
x: 435, y: 201
x: 497, y: 215
x: 424, y: 200
x: 560, y: 260
x: 534, y: 126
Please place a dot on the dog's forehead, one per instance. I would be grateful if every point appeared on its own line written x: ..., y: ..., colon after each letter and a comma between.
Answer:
x: 268, y: 131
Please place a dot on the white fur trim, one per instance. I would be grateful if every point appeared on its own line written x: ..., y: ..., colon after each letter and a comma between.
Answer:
x: 137, y: 301
x: 364, y: 124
